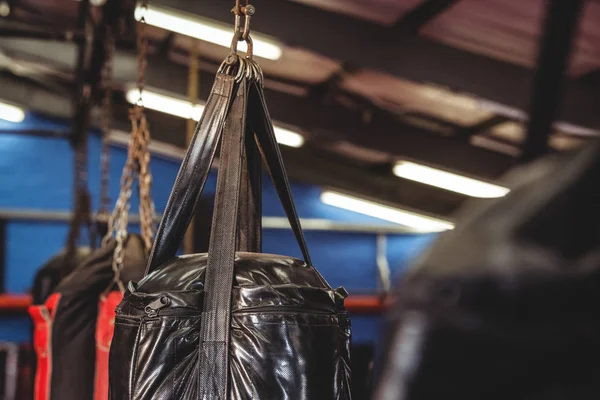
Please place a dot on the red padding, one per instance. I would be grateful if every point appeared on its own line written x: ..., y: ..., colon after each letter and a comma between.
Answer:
x: 105, y: 329
x: 43, y: 317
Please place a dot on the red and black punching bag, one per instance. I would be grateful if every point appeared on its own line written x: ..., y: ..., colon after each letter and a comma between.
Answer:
x: 66, y: 325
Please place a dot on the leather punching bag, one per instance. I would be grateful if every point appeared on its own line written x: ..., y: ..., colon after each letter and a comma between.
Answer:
x: 507, y: 305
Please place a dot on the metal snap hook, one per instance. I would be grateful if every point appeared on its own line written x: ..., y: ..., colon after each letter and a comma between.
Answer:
x: 248, y: 11
x: 242, y: 33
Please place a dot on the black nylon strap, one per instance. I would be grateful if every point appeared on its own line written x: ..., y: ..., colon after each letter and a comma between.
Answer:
x: 258, y: 114
x: 193, y: 173
x: 196, y: 167
x: 250, y: 209
x: 216, y: 319
x: 214, y: 332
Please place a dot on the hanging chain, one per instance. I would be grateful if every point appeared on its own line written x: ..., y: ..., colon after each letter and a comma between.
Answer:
x: 147, y: 210
x: 142, y: 56
x: 81, y: 197
x: 137, y: 164
x: 117, y: 223
x: 140, y: 125
x: 107, y: 72
x: 82, y: 206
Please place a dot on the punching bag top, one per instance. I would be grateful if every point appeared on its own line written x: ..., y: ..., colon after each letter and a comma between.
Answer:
x: 95, y: 271
x: 54, y: 270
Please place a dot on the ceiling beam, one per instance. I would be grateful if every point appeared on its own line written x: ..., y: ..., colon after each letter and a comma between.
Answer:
x: 414, y: 20
x: 368, y: 45
x: 308, y: 164
x: 315, y: 166
x: 560, y: 28
x: 481, y: 127
x: 331, y: 121
x: 382, y: 131
x: 25, y: 93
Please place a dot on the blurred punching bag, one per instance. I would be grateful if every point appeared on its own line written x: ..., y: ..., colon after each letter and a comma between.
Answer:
x: 507, y: 305
x: 49, y: 275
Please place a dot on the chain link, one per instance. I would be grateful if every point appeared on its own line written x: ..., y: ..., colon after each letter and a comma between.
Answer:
x: 147, y: 210
x: 142, y: 56
x: 107, y: 72
x: 137, y: 165
x: 82, y: 206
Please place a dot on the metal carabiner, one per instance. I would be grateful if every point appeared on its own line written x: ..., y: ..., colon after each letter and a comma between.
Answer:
x: 240, y: 33
x: 234, y: 44
x: 248, y: 11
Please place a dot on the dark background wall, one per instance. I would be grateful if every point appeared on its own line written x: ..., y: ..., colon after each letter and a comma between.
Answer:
x: 36, y: 173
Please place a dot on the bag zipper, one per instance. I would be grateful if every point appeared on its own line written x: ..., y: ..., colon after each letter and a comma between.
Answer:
x: 282, y: 309
x: 152, y: 309
x: 160, y: 306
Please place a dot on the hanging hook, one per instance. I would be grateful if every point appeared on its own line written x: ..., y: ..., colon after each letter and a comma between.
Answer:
x: 249, y: 11
x: 241, y: 32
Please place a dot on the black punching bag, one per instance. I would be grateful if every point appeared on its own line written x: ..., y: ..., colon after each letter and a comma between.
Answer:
x: 54, y: 270
x: 507, y: 305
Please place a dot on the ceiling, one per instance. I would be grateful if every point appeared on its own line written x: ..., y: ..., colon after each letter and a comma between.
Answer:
x: 443, y: 82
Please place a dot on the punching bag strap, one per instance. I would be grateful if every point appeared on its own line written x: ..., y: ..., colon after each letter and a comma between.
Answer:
x: 214, y: 332
x: 193, y: 173
x: 265, y: 137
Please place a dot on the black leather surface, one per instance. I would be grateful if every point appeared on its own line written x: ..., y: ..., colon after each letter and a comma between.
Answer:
x: 53, y: 271
x: 48, y: 277
x: 506, y: 306
x: 250, y: 210
x: 260, y: 120
x: 193, y: 173
x: 74, y: 325
x: 263, y: 327
x: 215, y: 329
x: 290, y: 334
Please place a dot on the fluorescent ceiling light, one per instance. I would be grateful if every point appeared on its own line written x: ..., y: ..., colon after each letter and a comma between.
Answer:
x: 288, y: 138
x: 447, y: 180
x: 11, y: 113
x: 206, y: 30
x: 417, y: 221
x: 185, y: 109
x: 166, y: 104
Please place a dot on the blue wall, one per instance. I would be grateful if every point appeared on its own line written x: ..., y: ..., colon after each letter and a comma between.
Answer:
x: 36, y: 173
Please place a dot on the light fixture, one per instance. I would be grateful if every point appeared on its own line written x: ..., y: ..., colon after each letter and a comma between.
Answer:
x: 447, y: 180
x: 4, y: 9
x: 414, y: 220
x: 204, y: 29
x: 287, y: 137
x: 11, y: 113
x: 166, y: 104
x: 185, y: 109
